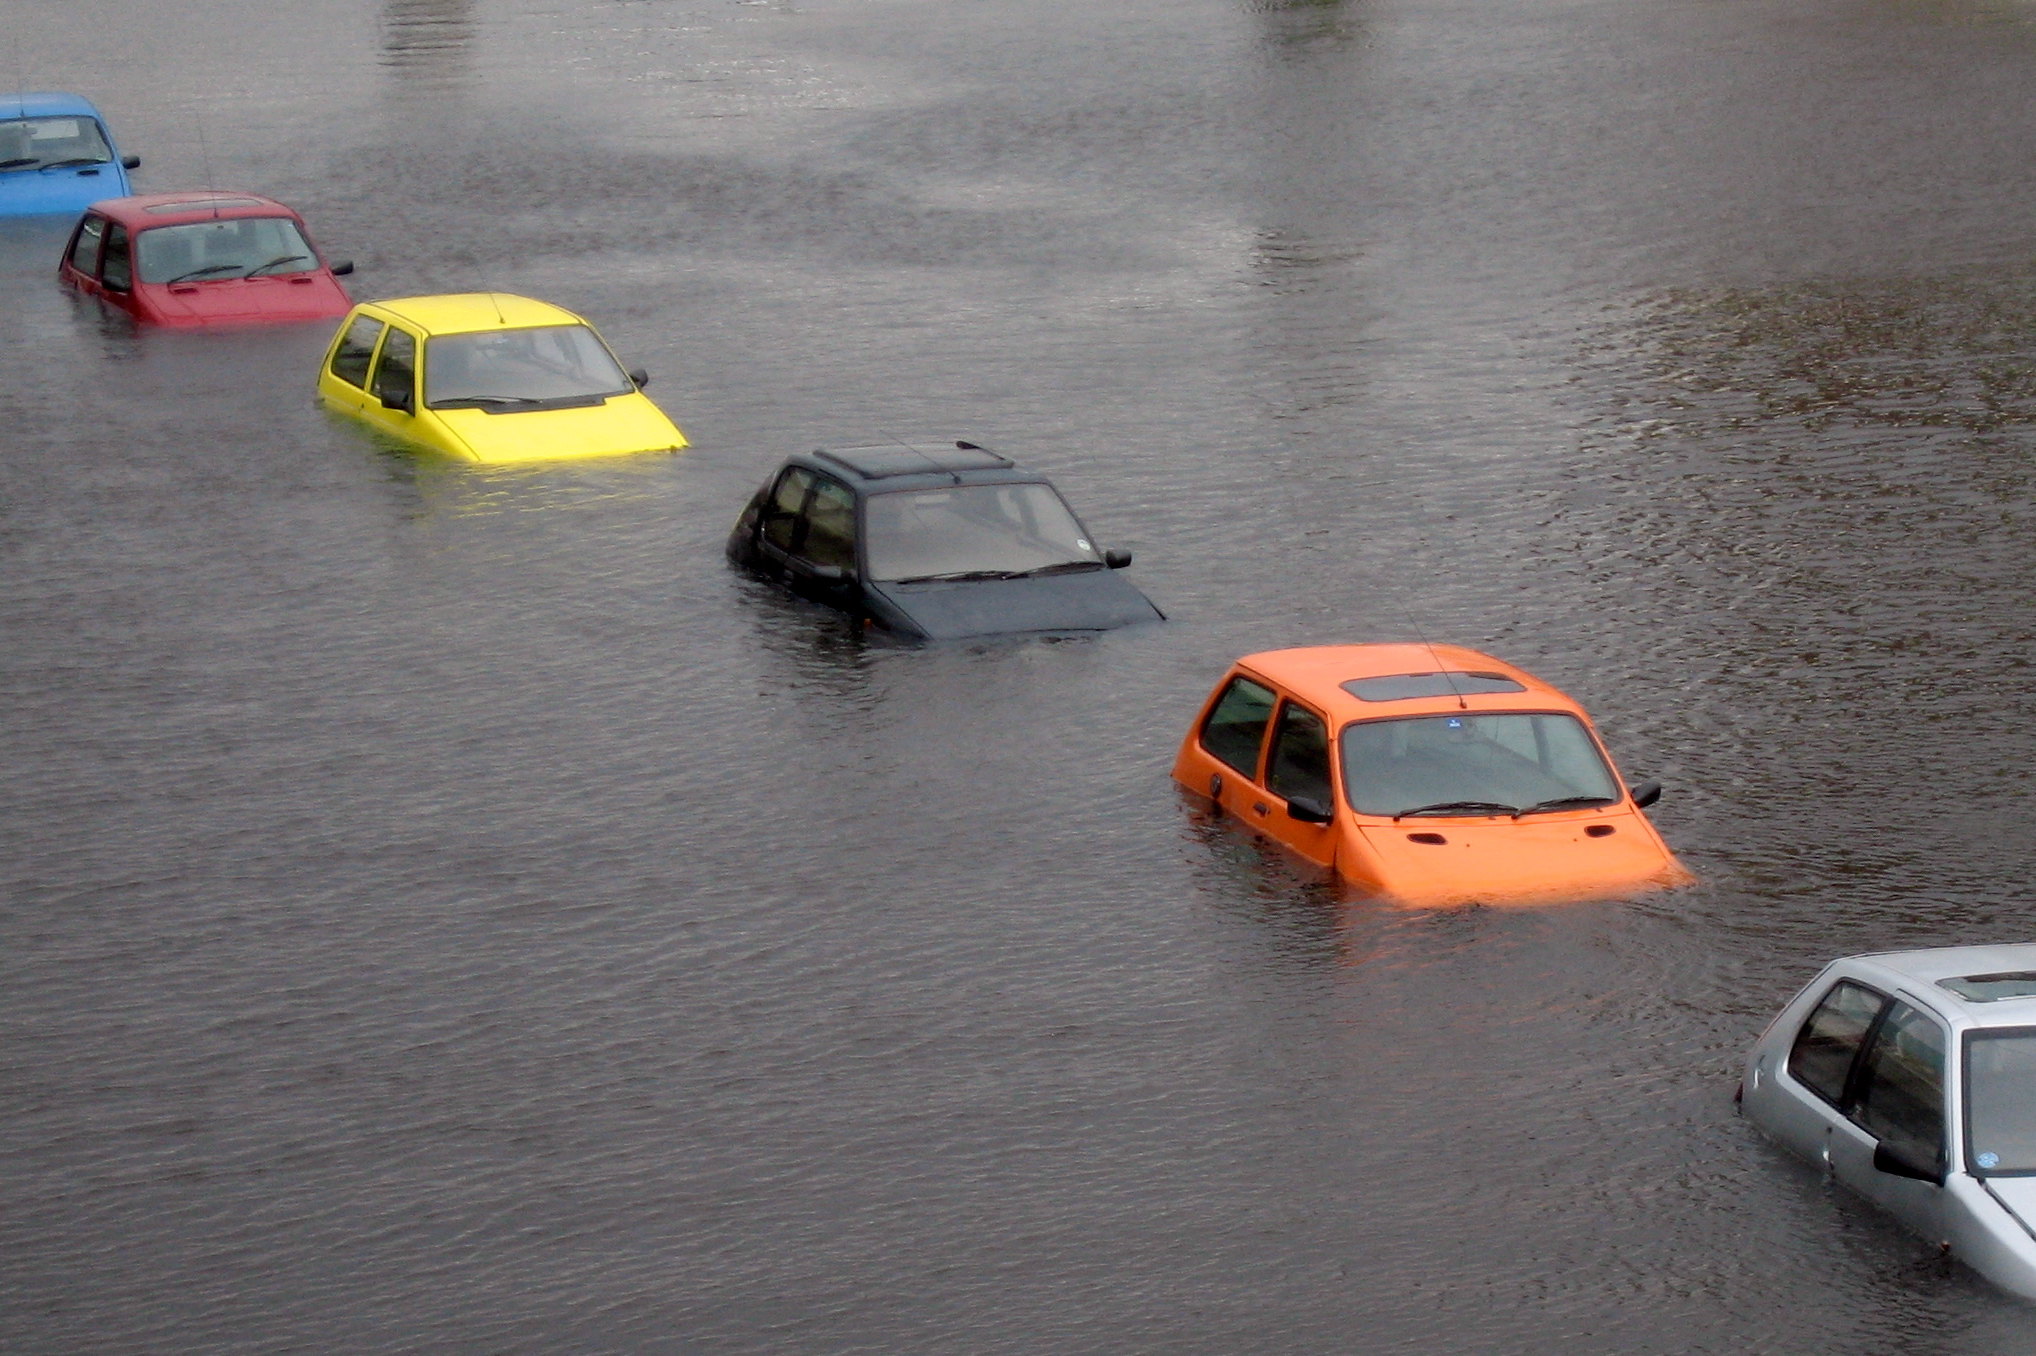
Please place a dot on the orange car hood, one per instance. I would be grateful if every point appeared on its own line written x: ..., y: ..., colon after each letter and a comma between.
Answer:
x: 1539, y: 859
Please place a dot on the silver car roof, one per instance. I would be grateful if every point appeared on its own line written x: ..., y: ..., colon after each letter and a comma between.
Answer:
x: 1922, y: 972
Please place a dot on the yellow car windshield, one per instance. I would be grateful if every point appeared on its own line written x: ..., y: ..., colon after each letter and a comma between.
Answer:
x: 548, y: 365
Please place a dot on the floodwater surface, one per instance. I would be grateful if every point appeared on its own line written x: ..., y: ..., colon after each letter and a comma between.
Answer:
x: 449, y: 909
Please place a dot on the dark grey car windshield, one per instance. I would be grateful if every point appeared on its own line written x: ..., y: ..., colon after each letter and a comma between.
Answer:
x: 981, y: 530
x: 2000, y: 1100
x: 232, y: 247
x: 29, y: 143
x: 1471, y: 764
x: 529, y: 367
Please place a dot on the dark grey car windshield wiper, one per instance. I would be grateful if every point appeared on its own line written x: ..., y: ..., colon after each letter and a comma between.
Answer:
x: 1565, y: 803
x: 957, y: 576
x: 1443, y: 807
x: 1058, y: 567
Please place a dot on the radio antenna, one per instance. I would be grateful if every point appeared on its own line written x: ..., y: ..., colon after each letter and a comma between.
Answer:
x: 205, y: 158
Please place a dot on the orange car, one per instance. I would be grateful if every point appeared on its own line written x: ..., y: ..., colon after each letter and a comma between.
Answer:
x: 1452, y: 777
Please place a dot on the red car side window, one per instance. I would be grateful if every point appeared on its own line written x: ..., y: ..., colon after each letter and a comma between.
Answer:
x: 117, y: 264
x: 84, y: 255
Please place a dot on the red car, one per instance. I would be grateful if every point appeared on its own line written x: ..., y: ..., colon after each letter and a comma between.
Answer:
x: 188, y: 259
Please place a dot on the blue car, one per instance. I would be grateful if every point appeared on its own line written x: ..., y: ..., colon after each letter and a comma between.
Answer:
x: 56, y: 156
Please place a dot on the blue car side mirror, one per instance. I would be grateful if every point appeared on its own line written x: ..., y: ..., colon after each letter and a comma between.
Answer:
x: 130, y: 162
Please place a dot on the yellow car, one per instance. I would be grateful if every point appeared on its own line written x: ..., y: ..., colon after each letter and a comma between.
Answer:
x: 489, y: 377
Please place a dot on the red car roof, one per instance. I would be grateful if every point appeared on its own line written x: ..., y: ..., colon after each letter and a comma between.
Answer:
x: 144, y: 210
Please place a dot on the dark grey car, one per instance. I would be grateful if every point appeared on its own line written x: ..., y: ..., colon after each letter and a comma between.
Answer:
x: 933, y: 541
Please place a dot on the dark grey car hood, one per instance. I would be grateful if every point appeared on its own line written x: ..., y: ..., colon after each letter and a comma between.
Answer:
x: 1095, y: 600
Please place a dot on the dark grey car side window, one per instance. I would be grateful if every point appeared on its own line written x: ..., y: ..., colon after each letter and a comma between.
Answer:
x: 782, y: 509
x: 1821, y: 1058
x: 1236, y: 725
x: 1900, y: 1096
x: 830, y: 525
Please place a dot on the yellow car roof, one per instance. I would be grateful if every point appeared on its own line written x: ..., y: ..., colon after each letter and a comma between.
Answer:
x: 467, y: 312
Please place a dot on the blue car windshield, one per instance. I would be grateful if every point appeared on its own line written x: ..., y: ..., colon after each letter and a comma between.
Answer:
x: 231, y: 247
x: 31, y: 143
x: 508, y: 368
x: 979, y: 530
x: 2000, y: 1100
x: 1473, y: 763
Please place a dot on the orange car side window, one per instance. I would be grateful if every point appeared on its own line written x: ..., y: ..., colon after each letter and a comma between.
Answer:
x: 1236, y: 725
x: 1299, y: 765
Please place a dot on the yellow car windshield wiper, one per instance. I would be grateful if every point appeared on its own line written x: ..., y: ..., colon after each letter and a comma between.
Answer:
x: 472, y: 401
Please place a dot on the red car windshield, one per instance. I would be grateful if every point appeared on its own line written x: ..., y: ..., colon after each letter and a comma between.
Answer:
x: 233, y: 247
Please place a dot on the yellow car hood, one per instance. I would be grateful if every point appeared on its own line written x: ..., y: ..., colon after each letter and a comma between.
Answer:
x: 623, y: 425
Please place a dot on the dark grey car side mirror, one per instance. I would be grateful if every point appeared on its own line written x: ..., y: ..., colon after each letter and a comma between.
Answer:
x: 1308, y: 810
x: 399, y: 400
x: 1646, y: 794
x: 1897, y: 1162
x: 1116, y: 558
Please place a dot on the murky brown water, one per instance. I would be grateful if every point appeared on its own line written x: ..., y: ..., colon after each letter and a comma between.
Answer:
x: 450, y: 910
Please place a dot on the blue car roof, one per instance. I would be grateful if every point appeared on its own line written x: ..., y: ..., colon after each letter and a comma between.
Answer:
x: 47, y: 104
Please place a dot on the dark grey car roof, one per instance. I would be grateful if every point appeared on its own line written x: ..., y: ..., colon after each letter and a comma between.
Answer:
x: 916, y: 465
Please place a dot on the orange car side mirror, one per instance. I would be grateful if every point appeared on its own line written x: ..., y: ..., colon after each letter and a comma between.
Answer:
x: 1646, y: 794
x: 1308, y: 810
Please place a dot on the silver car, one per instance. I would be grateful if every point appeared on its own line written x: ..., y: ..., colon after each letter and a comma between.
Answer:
x: 1911, y: 1077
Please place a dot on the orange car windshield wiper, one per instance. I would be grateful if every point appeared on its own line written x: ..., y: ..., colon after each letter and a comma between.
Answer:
x: 1447, y: 807
x: 1565, y: 803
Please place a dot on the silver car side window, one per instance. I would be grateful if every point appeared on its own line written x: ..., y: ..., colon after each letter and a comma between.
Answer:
x: 1900, y: 1096
x: 1822, y: 1056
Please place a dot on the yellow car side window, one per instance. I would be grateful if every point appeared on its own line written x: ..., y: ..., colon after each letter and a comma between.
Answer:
x: 350, y: 359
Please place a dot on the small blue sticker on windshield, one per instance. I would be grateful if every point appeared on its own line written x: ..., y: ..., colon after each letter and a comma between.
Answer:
x: 1988, y: 1160
x: 1456, y: 722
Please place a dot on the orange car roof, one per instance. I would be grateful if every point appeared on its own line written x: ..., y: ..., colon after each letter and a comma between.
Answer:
x: 1317, y: 674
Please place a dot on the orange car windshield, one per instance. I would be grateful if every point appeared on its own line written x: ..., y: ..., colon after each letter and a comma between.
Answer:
x: 1474, y: 764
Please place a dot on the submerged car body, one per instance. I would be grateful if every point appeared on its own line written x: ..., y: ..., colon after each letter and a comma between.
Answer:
x: 1429, y: 775
x: 57, y: 156
x: 933, y: 541
x: 1910, y: 1077
x: 209, y: 258
x: 489, y: 377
